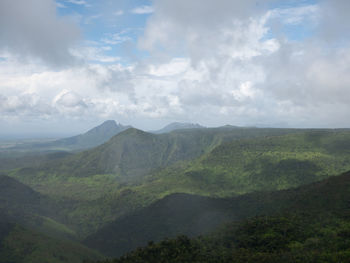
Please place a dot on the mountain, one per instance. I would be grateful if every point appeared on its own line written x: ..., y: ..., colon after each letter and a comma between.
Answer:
x: 135, y: 169
x: 134, y: 175
x: 101, y: 184
x: 134, y: 153
x: 178, y: 126
x: 191, y: 215
x: 92, y: 138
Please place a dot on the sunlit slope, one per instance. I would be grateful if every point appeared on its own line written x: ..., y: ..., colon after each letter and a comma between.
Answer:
x: 270, y: 163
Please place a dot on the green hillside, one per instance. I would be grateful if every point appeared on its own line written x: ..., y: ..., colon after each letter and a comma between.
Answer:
x: 28, y: 231
x: 135, y: 168
x: 21, y: 245
x: 113, y: 174
x: 134, y: 153
x: 269, y: 163
x: 21, y: 204
x: 306, y: 224
x: 109, y: 188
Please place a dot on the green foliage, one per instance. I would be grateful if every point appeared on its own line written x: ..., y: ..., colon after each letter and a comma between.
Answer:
x: 302, y: 236
x: 194, y: 215
x: 287, y: 238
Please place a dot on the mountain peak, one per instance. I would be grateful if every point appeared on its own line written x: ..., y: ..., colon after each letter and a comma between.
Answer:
x: 109, y: 127
x: 109, y: 124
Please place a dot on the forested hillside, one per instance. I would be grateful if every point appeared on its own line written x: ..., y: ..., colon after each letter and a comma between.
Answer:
x: 135, y: 168
x: 140, y: 186
x: 306, y: 224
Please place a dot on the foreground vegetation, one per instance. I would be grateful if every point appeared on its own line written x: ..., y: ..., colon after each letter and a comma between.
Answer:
x: 313, y: 228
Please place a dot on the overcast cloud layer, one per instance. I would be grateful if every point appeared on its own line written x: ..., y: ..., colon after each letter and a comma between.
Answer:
x: 269, y: 63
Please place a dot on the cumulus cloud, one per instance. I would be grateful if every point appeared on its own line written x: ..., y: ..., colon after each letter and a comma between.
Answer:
x: 31, y: 29
x: 249, y: 69
x: 212, y: 62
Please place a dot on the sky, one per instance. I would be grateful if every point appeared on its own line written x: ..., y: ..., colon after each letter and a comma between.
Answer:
x: 68, y: 65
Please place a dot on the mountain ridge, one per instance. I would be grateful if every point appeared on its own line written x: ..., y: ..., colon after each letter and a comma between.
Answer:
x: 178, y: 126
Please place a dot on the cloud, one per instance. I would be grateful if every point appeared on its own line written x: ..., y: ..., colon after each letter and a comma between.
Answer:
x: 90, y: 19
x: 118, y: 13
x: 246, y: 70
x: 60, y: 5
x: 335, y: 20
x: 78, y: 2
x: 31, y: 30
x: 219, y: 62
x: 118, y: 38
x: 295, y: 15
x: 142, y: 10
x: 24, y: 105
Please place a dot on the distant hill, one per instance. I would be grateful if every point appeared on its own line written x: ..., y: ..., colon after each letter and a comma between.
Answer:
x: 192, y: 215
x: 178, y: 126
x: 92, y: 138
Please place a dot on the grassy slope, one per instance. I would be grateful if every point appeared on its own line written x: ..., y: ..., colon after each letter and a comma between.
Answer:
x: 306, y: 224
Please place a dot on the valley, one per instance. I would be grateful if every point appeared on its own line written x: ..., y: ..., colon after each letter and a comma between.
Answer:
x: 187, y: 181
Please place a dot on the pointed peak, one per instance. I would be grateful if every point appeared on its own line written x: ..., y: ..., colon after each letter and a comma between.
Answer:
x: 109, y: 123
